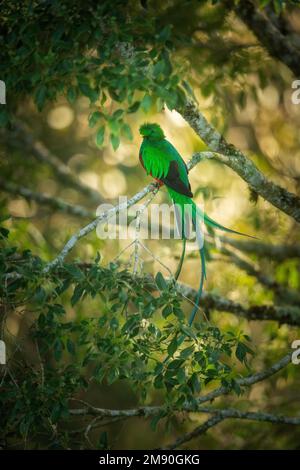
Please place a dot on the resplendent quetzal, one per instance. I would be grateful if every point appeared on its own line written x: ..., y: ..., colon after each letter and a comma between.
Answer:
x: 162, y: 161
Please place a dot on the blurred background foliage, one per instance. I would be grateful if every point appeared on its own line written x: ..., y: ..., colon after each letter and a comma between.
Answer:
x: 80, y: 80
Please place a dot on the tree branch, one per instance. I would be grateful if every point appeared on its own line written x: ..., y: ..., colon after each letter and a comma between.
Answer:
x: 232, y: 157
x: 104, y: 217
x: 257, y: 416
x: 63, y: 172
x: 229, y: 413
x: 211, y: 422
x: 42, y: 198
x: 276, y: 252
x: 282, y: 314
x: 146, y: 411
x: 277, y: 44
x: 289, y: 295
x: 92, y: 225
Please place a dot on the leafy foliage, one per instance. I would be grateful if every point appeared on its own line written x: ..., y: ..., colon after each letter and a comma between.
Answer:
x: 89, y: 50
x: 123, y: 339
x: 125, y: 54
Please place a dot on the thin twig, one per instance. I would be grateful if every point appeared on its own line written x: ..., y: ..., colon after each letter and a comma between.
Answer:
x: 196, y: 432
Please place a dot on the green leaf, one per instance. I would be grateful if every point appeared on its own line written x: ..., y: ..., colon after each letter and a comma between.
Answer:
x: 171, y: 100
x: 176, y: 363
x: 114, y: 323
x: 4, y: 232
x: 40, y: 96
x: 155, y: 420
x: 113, y: 375
x: 146, y: 103
x: 94, y: 118
x: 70, y: 346
x: 75, y: 272
x: 187, y: 330
x: 40, y: 295
x: 158, y: 381
x: 158, y: 368
x: 99, y: 373
x: 134, y: 107
x: 100, y: 136
x: 185, y: 353
x: 158, y: 68
x: 165, y: 33
x: 167, y: 311
x: 173, y: 346
x: 241, y: 351
x: 114, y: 126
x: 178, y: 313
x: 126, y: 130
x: 78, y: 291
x: 247, y: 338
x: 195, y: 383
x: 118, y: 113
x: 160, y: 281
x: 181, y: 377
x: 88, y: 91
x: 58, y: 349
x: 115, y: 141
x: 71, y: 95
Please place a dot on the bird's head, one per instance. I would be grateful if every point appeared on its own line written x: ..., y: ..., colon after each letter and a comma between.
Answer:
x: 152, y: 131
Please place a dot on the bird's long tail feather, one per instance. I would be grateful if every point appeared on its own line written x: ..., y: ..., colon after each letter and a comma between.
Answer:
x: 197, y: 216
x: 200, y: 290
x: 179, y: 267
x: 212, y: 223
x: 186, y: 208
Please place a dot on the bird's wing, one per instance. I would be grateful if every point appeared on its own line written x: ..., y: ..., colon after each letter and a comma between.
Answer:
x: 173, y: 180
x: 162, y: 161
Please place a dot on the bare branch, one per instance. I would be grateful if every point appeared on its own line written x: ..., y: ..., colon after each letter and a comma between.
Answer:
x: 196, y: 432
x: 276, y: 252
x: 42, y: 198
x: 229, y: 413
x: 283, y: 314
x: 252, y: 415
x: 232, y: 157
x: 291, y: 296
x: 63, y: 172
x: 92, y: 225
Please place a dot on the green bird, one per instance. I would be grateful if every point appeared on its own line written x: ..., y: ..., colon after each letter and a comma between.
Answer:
x: 161, y: 160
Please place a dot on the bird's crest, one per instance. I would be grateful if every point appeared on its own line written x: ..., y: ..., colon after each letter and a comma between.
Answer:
x: 153, y: 131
